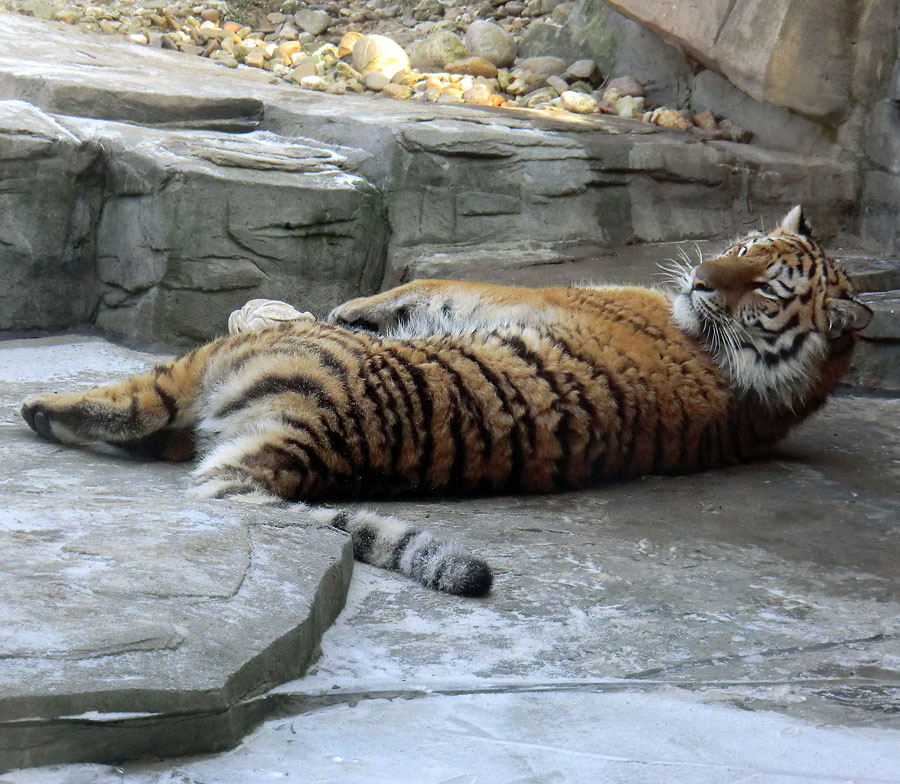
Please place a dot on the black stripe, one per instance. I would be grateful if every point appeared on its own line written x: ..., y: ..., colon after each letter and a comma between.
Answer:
x: 168, y: 401
x: 363, y: 539
x: 276, y: 385
x: 378, y: 403
x: 330, y: 361
x: 402, y: 422
x: 773, y: 358
x: 423, y: 394
x: 496, y: 382
x: 315, y: 464
x: 335, y: 441
x: 584, y: 401
x: 464, y: 399
x: 401, y: 545
x: 560, y: 404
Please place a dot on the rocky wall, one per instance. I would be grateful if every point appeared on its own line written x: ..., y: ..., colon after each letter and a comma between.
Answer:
x: 50, y: 198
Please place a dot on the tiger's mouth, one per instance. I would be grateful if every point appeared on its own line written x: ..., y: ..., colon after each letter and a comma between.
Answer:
x: 691, y: 315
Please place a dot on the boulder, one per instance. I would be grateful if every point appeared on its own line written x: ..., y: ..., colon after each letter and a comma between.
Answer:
x: 313, y: 22
x: 492, y: 42
x: 437, y: 49
x: 790, y: 53
x: 379, y: 53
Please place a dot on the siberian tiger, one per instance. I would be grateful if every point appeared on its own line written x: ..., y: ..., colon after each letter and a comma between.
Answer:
x: 451, y: 387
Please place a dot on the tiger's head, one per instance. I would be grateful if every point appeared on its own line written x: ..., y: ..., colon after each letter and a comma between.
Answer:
x: 772, y: 309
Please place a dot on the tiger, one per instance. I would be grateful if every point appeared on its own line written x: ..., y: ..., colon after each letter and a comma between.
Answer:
x: 451, y: 387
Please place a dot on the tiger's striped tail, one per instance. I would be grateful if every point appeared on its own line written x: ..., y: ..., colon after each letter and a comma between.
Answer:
x: 390, y: 543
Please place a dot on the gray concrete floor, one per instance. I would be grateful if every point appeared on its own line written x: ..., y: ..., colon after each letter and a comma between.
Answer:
x: 741, y: 625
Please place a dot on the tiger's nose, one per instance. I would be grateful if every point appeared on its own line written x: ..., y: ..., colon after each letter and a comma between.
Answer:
x: 699, y: 281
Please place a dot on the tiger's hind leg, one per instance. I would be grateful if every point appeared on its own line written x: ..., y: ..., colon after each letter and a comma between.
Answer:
x: 268, y: 458
x: 125, y: 413
x: 278, y: 462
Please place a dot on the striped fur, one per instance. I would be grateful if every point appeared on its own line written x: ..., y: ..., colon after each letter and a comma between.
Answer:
x: 442, y: 386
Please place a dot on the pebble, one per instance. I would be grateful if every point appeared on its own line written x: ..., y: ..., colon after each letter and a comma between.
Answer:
x: 539, y: 96
x: 376, y: 80
x: 437, y: 49
x: 400, y: 91
x: 491, y: 42
x: 313, y: 22
x: 542, y: 67
x: 379, y: 53
x: 629, y: 106
x: 474, y: 66
x: 627, y: 85
x: 578, y: 102
x: 669, y: 118
x: 347, y: 43
x: 557, y: 83
x: 706, y: 120
x: 735, y: 131
x: 315, y: 83
x: 479, y: 95
x: 582, y: 69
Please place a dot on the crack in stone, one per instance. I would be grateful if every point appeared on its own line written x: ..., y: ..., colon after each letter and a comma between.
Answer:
x: 767, y: 654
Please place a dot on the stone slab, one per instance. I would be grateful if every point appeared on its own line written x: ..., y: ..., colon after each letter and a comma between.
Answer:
x: 121, y: 596
x: 732, y: 626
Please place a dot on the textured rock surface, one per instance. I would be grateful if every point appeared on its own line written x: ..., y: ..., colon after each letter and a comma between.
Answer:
x: 619, y: 45
x: 120, y: 595
x: 49, y: 204
x: 772, y: 126
x: 794, y: 54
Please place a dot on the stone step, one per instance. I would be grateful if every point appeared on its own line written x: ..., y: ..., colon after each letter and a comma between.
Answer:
x: 137, y: 621
x: 870, y: 272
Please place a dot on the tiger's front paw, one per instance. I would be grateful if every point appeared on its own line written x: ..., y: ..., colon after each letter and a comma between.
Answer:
x: 36, y: 411
x: 262, y: 313
x: 368, y: 313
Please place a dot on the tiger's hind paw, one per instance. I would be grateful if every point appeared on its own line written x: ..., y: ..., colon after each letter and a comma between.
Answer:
x: 234, y: 486
x: 36, y: 418
x: 40, y: 414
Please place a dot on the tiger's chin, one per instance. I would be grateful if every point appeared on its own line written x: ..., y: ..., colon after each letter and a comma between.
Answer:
x: 775, y: 381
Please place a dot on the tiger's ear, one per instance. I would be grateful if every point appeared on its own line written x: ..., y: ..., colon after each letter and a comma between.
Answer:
x: 795, y: 222
x: 846, y: 315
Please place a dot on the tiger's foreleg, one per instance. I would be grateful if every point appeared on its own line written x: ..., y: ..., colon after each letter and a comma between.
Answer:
x: 437, y: 306
x: 128, y: 413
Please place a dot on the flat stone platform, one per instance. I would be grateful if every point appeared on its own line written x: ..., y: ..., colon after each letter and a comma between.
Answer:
x: 122, y: 598
x: 738, y: 625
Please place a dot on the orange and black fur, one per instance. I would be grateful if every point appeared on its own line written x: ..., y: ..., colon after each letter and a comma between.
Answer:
x: 441, y: 386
